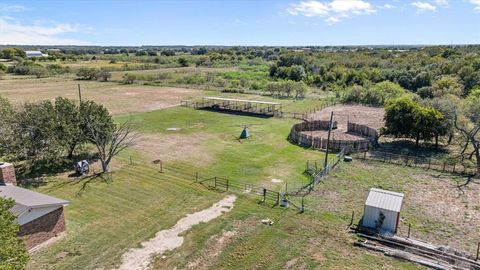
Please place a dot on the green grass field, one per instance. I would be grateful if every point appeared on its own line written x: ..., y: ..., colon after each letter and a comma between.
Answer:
x: 106, y: 218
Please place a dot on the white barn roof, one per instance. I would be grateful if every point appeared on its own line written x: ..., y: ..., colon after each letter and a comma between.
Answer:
x: 384, y: 199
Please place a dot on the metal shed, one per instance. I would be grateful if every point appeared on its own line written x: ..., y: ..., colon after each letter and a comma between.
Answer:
x: 382, y: 203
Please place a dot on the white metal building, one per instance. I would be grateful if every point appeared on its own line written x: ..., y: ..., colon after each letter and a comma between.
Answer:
x: 384, y: 202
x: 31, y: 54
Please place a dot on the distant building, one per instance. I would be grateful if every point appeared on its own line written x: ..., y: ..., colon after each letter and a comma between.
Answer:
x: 382, y: 210
x: 40, y: 216
x: 31, y: 54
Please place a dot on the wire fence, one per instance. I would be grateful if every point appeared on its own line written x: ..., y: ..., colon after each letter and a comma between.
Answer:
x: 465, y: 167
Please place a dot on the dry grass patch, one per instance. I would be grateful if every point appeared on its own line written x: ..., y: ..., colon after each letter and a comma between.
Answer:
x: 119, y: 99
x: 175, y: 147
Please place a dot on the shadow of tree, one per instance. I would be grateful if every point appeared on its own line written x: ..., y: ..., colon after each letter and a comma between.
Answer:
x: 33, y: 173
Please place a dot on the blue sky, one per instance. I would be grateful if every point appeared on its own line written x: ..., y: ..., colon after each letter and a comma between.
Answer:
x: 254, y: 22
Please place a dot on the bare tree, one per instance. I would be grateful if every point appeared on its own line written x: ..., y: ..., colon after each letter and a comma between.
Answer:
x: 111, y: 144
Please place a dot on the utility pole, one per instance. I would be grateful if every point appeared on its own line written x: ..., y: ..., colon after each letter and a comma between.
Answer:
x: 328, y: 142
x: 79, y: 93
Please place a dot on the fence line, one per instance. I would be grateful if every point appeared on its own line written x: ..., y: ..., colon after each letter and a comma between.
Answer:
x: 427, y: 163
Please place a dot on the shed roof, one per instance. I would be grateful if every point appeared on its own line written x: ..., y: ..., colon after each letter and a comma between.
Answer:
x: 384, y: 199
x: 242, y: 100
x: 26, y: 199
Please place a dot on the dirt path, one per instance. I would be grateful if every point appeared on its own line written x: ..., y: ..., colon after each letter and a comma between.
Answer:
x: 139, y: 258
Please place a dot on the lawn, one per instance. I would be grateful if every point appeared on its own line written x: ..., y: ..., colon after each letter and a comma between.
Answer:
x: 106, y: 218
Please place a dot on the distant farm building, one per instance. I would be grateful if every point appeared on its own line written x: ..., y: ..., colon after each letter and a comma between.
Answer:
x: 40, y: 216
x: 31, y: 54
x: 382, y: 211
x: 260, y: 108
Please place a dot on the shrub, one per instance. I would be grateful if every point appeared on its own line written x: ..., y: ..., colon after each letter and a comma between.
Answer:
x: 87, y: 73
x: 129, y: 78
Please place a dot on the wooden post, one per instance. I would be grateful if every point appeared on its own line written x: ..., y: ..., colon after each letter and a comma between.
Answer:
x: 79, y: 93
x: 215, y: 182
x: 353, y: 215
x: 409, y: 225
x: 443, y: 170
x: 161, y: 166
x: 302, y: 209
x: 245, y: 187
x: 264, y: 194
x: 278, y: 198
x: 328, y: 139
x: 131, y: 162
x: 196, y: 177
x: 364, y: 155
x: 227, y: 184
x: 478, y: 251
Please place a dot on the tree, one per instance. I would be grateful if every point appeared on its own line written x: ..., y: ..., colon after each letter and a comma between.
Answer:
x: 182, y: 62
x: 467, y: 122
x: 13, y: 254
x: 6, y: 131
x: 108, y: 138
x: 447, y: 85
x: 68, y: 129
x: 35, y: 124
x: 87, y: 73
x: 406, y: 118
x: 129, y: 78
x: 105, y: 75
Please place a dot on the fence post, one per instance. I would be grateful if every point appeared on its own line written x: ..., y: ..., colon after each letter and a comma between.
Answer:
x: 409, y: 225
x: 364, y: 155
x: 215, y: 183
x: 196, y: 177
x: 264, y: 194
x: 227, y: 184
x: 302, y: 209
x: 161, y: 166
x: 245, y: 187
x: 478, y: 251
x: 406, y: 160
x: 443, y: 170
x: 351, y: 220
x: 131, y: 162
x: 278, y: 198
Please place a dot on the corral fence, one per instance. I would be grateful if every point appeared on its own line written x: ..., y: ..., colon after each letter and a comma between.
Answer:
x: 449, y: 166
x: 299, y: 135
x: 317, y: 172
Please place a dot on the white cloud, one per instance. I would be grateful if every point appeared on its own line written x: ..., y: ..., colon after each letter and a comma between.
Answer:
x: 333, y: 11
x: 12, y: 32
x: 476, y: 3
x: 12, y: 8
x: 424, y: 6
x: 388, y: 6
x: 441, y: 2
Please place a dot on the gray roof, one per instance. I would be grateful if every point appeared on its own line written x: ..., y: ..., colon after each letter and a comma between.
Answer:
x: 26, y: 199
x: 385, y: 199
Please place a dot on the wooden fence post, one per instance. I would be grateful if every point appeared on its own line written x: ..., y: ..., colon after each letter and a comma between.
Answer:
x: 161, y: 166
x: 364, y: 155
x: 264, y: 194
x: 409, y: 225
x: 227, y: 184
x: 215, y: 183
x: 278, y: 198
x: 351, y: 220
x: 429, y: 161
x: 443, y: 170
x: 302, y: 209
x: 131, y: 162
x: 196, y: 177
x: 478, y: 251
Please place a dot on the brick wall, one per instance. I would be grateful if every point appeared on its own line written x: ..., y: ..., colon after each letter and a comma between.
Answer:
x: 43, y: 228
x: 7, y: 174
